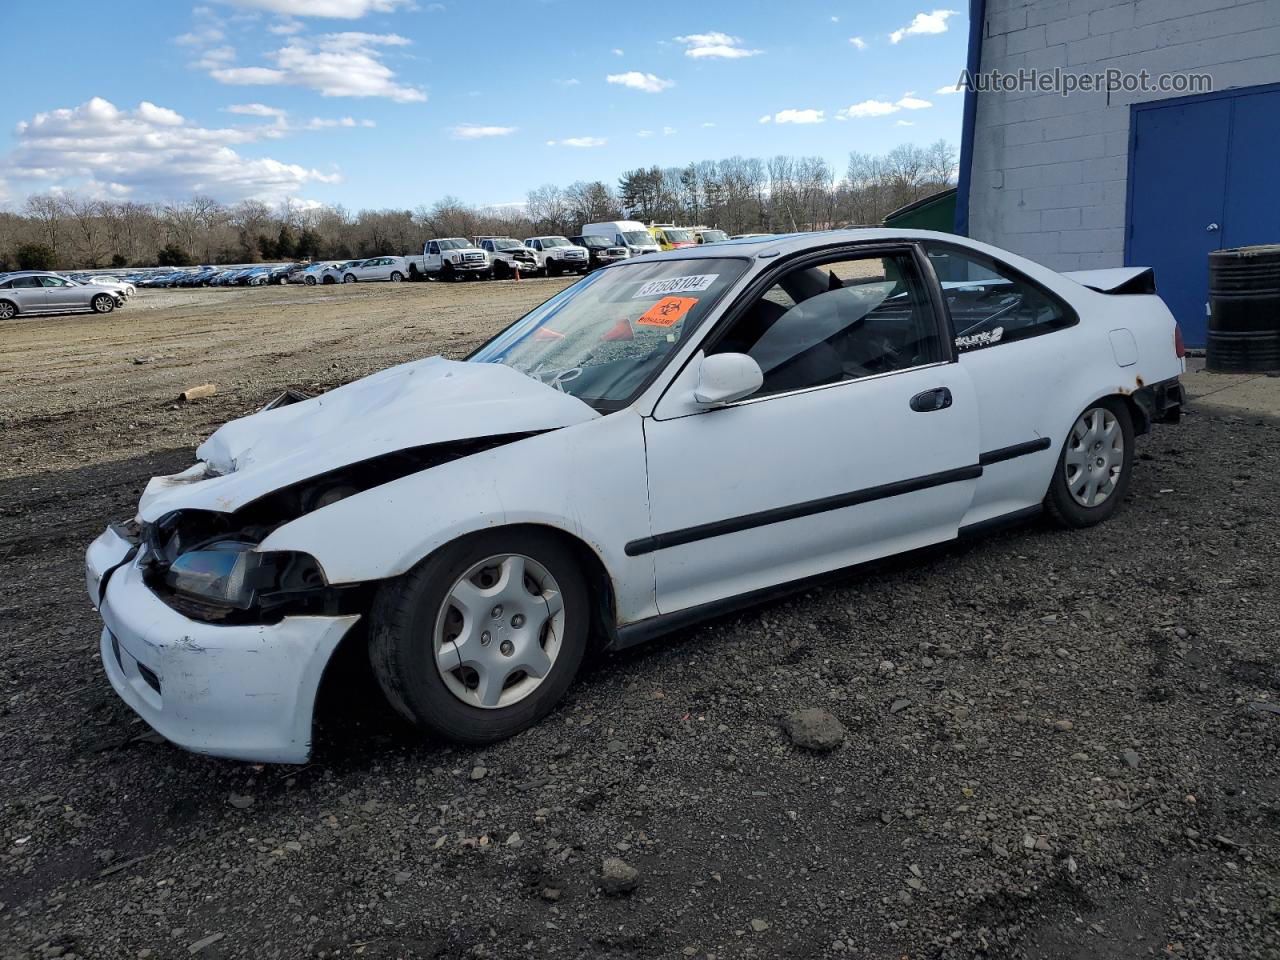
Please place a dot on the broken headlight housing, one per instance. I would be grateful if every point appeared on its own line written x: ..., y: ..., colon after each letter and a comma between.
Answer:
x: 235, y: 574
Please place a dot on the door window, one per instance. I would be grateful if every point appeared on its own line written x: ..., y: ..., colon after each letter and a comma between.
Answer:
x: 52, y: 282
x: 845, y: 319
x: 433, y: 248
x: 26, y: 282
x: 990, y: 303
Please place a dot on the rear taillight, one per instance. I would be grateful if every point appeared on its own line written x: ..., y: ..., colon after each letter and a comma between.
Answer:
x: 1179, y: 347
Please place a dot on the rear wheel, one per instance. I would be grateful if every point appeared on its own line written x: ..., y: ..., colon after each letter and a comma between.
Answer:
x: 7, y: 310
x: 483, y: 638
x: 1094, y: 467
x: 309, y: 281
x: 103, y: 303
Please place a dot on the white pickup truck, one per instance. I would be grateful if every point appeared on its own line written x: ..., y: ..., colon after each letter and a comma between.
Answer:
x: 508, y: 256
x: 556, y: 255
x: 452, y: 258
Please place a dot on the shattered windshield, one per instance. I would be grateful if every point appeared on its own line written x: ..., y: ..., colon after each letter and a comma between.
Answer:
x: 603, y: 338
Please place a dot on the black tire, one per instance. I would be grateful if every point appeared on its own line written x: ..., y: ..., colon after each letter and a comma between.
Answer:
x: 328, y: 280
x: 103, y: 303
x: 1064, y: 508
x: 550, y: 270
x: 309, y: 281
x: 8, y: 310
x: 349, y: 278
x: 402, y: 629
x: 396, y: 276
x: 448, y: 273
x: 501, y: 270
x: 414, y: 275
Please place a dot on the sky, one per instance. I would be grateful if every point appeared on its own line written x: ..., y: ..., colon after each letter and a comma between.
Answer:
x: 396, y: 103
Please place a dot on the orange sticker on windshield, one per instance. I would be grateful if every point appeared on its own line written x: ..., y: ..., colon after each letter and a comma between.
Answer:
x: 667, y: 311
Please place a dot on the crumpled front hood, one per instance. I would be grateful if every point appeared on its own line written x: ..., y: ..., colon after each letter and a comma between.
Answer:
x: 427, y: 401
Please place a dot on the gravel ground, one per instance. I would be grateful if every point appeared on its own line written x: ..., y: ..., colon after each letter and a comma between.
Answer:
x: 1050, y: 744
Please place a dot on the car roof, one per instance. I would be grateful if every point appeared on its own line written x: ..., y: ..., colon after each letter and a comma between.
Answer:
x: 785, y: 243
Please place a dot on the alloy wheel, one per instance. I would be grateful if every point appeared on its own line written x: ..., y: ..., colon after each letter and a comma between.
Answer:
x: 499, y: 631
x: 1094, y: 457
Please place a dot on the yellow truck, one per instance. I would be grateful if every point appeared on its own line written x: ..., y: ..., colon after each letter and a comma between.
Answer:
x: 670, y: 237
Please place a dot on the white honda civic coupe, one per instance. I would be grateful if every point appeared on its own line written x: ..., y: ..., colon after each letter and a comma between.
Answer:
x: 667, y: 439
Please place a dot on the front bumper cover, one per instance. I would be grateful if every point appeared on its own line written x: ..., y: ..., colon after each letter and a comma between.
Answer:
x: 246, y: 692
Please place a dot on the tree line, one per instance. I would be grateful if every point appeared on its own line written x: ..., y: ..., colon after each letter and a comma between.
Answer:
x: 738, y: 195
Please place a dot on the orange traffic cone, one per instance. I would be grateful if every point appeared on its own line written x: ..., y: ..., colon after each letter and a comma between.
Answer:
x: 517, y: 269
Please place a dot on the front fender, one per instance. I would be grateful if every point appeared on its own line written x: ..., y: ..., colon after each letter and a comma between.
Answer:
x: 587, y: 480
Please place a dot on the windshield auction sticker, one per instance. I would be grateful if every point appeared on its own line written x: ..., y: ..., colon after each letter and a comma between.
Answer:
x: 692, y: 284
x: 667, y: 311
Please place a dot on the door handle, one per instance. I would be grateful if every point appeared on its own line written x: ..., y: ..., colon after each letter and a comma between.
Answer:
x: 939, y: 398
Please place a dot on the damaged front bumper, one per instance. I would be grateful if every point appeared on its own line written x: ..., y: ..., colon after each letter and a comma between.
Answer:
x: 247, y: 692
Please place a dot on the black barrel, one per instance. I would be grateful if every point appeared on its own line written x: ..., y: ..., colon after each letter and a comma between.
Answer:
x: 1244, y: 310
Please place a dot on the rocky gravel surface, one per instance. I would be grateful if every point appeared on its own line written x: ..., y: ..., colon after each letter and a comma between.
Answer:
x: 1038, y: 744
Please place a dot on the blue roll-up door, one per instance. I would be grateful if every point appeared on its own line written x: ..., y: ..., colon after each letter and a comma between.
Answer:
x: 1202, y: 176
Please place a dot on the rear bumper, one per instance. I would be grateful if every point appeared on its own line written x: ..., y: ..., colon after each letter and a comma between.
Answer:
x: 246, y: 692
x: 1160, y: 402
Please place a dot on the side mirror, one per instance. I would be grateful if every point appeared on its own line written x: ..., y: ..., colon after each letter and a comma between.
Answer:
x: 726, y: 377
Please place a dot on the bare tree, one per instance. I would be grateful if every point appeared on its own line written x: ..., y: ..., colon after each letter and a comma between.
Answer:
x: 46, y: 211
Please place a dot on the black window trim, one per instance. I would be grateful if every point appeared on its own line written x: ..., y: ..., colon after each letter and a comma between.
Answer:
x: 1010, y: 272
x: 816, y: 257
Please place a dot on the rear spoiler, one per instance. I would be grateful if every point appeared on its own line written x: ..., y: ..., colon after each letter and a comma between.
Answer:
x: 1117, y: 279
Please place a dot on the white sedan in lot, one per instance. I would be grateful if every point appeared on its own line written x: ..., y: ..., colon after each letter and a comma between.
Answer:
x: 667, y: 439
x: 393, y: 269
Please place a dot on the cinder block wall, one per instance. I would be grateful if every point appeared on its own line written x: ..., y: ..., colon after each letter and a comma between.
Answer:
x: 1049, y: 172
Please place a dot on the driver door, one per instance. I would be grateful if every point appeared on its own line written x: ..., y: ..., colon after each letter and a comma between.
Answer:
x: 862, y: 441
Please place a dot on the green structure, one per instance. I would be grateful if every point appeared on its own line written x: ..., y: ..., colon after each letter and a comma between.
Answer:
x: 934, y: 212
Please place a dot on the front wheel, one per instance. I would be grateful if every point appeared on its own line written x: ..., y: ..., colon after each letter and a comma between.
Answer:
x: 396, y: 276
x: 1094, y: 467
x: 483, y: 638
x: 448, y: 273
x: 103, y: 303
x: 349, y: 278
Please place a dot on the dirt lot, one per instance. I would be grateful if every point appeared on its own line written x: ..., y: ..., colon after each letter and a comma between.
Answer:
x: 1061, y: 744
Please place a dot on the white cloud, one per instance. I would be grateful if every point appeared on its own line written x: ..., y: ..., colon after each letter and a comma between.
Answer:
x: 334, y: 9
x: 571, y: 82
x: 160, y: 116
x: 835, y: 19
x: 618, y: 51
x: 151, y: 152
x: 256, y: 110
x: 767, y: 118
x: 858, y: 43
x: 882, y: 108
x: 910, y: 101
x: 952, y: 88
x: 904, y: 123
x: 668, y: 131
x: 636, y: 80
x: 935, y: 22
x: 644, y: 133
x: 578, y: 142
x: 708, y: 124
x: 799, y: 116
x: 326, y: 123
x: 215, y: 58
x: 285, y: 28
x: 205, y: 36
x: 335, y: 64
x: 475, y: 131
x: 721, y: 45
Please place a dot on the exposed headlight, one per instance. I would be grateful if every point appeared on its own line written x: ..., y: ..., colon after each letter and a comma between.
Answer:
x: 234, y: 574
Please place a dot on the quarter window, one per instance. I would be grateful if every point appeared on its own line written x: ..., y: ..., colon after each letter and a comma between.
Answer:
x: 842, y: 320
x: 991, y: 304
